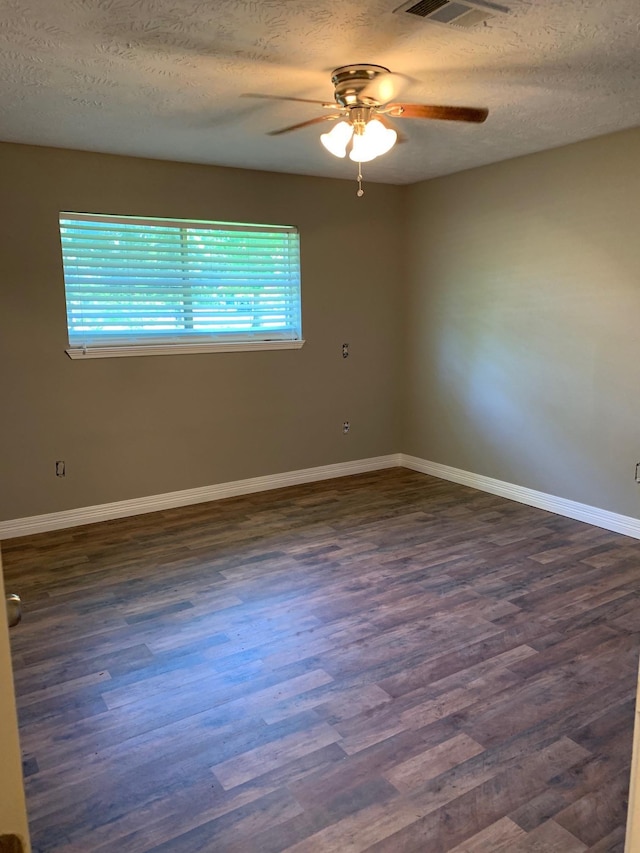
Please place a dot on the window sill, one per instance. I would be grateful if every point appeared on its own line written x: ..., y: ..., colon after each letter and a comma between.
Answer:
x: 180, y: 349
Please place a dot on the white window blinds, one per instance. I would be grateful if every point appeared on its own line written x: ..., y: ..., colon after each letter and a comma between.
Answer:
x: 132, y: 281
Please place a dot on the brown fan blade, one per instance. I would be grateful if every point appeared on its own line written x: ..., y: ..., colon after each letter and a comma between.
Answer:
x: 302, y: 124
x: 475, y: 114
x: 286, y: 98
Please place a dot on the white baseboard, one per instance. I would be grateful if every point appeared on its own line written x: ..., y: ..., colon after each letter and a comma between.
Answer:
x: 138, y: 506
x: 625, y: 524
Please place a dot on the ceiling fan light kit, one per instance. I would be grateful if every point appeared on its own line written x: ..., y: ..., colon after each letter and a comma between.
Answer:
x: 367, y: 139
x: 364, y: 102
x: 337, y: 139
x: 371, y: 141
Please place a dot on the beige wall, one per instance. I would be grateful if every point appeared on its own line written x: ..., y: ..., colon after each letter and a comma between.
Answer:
x: 523, y: 322
x: 131, y: 427
x: 493, y: 318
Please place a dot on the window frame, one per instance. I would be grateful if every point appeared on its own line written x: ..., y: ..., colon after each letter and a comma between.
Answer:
x: 183, y: 339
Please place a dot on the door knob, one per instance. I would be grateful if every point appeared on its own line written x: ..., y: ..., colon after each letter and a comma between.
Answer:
x: 14, y: 610
x: 11, y: 844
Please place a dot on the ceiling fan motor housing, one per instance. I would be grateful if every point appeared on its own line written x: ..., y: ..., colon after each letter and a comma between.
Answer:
x: 350, y: 80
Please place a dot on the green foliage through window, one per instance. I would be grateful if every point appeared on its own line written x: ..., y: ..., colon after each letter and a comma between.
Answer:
x: 135, y: 281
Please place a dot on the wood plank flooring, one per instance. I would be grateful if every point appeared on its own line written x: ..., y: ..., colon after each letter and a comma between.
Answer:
x: 387, y: 662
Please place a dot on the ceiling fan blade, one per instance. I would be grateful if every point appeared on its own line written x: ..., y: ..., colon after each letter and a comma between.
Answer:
x: 473, y: 114
x: 302, y: 124
x: 385, y: 87
x: 286, y: 98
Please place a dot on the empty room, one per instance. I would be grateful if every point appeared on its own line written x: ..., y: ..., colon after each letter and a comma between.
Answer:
x: 319, y: 447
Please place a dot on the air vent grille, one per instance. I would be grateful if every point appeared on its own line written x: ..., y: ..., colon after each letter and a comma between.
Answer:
x: 472, y: 17
x: 453, y: 13
x: 426, y: 7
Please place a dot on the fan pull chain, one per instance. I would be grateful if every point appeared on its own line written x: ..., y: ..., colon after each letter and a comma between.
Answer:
x: 360, y: 192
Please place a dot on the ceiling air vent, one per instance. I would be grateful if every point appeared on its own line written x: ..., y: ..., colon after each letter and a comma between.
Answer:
x: 453, y: 13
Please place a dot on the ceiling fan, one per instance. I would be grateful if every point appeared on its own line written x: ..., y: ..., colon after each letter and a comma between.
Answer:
x: 364, y: 104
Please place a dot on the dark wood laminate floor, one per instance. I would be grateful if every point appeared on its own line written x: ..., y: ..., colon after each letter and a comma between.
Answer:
x: 387, y: 662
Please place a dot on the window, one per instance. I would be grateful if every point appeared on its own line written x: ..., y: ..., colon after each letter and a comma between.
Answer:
x: 153, y: 286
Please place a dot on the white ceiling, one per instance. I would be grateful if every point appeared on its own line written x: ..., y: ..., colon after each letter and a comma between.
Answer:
x: 163, y: 78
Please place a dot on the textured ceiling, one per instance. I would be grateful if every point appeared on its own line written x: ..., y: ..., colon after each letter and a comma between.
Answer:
x: 163, y: 78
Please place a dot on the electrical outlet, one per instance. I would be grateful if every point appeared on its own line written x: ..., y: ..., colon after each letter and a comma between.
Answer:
x: 60, y: 468
x: 345, y: 350
x: 346, y: 426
